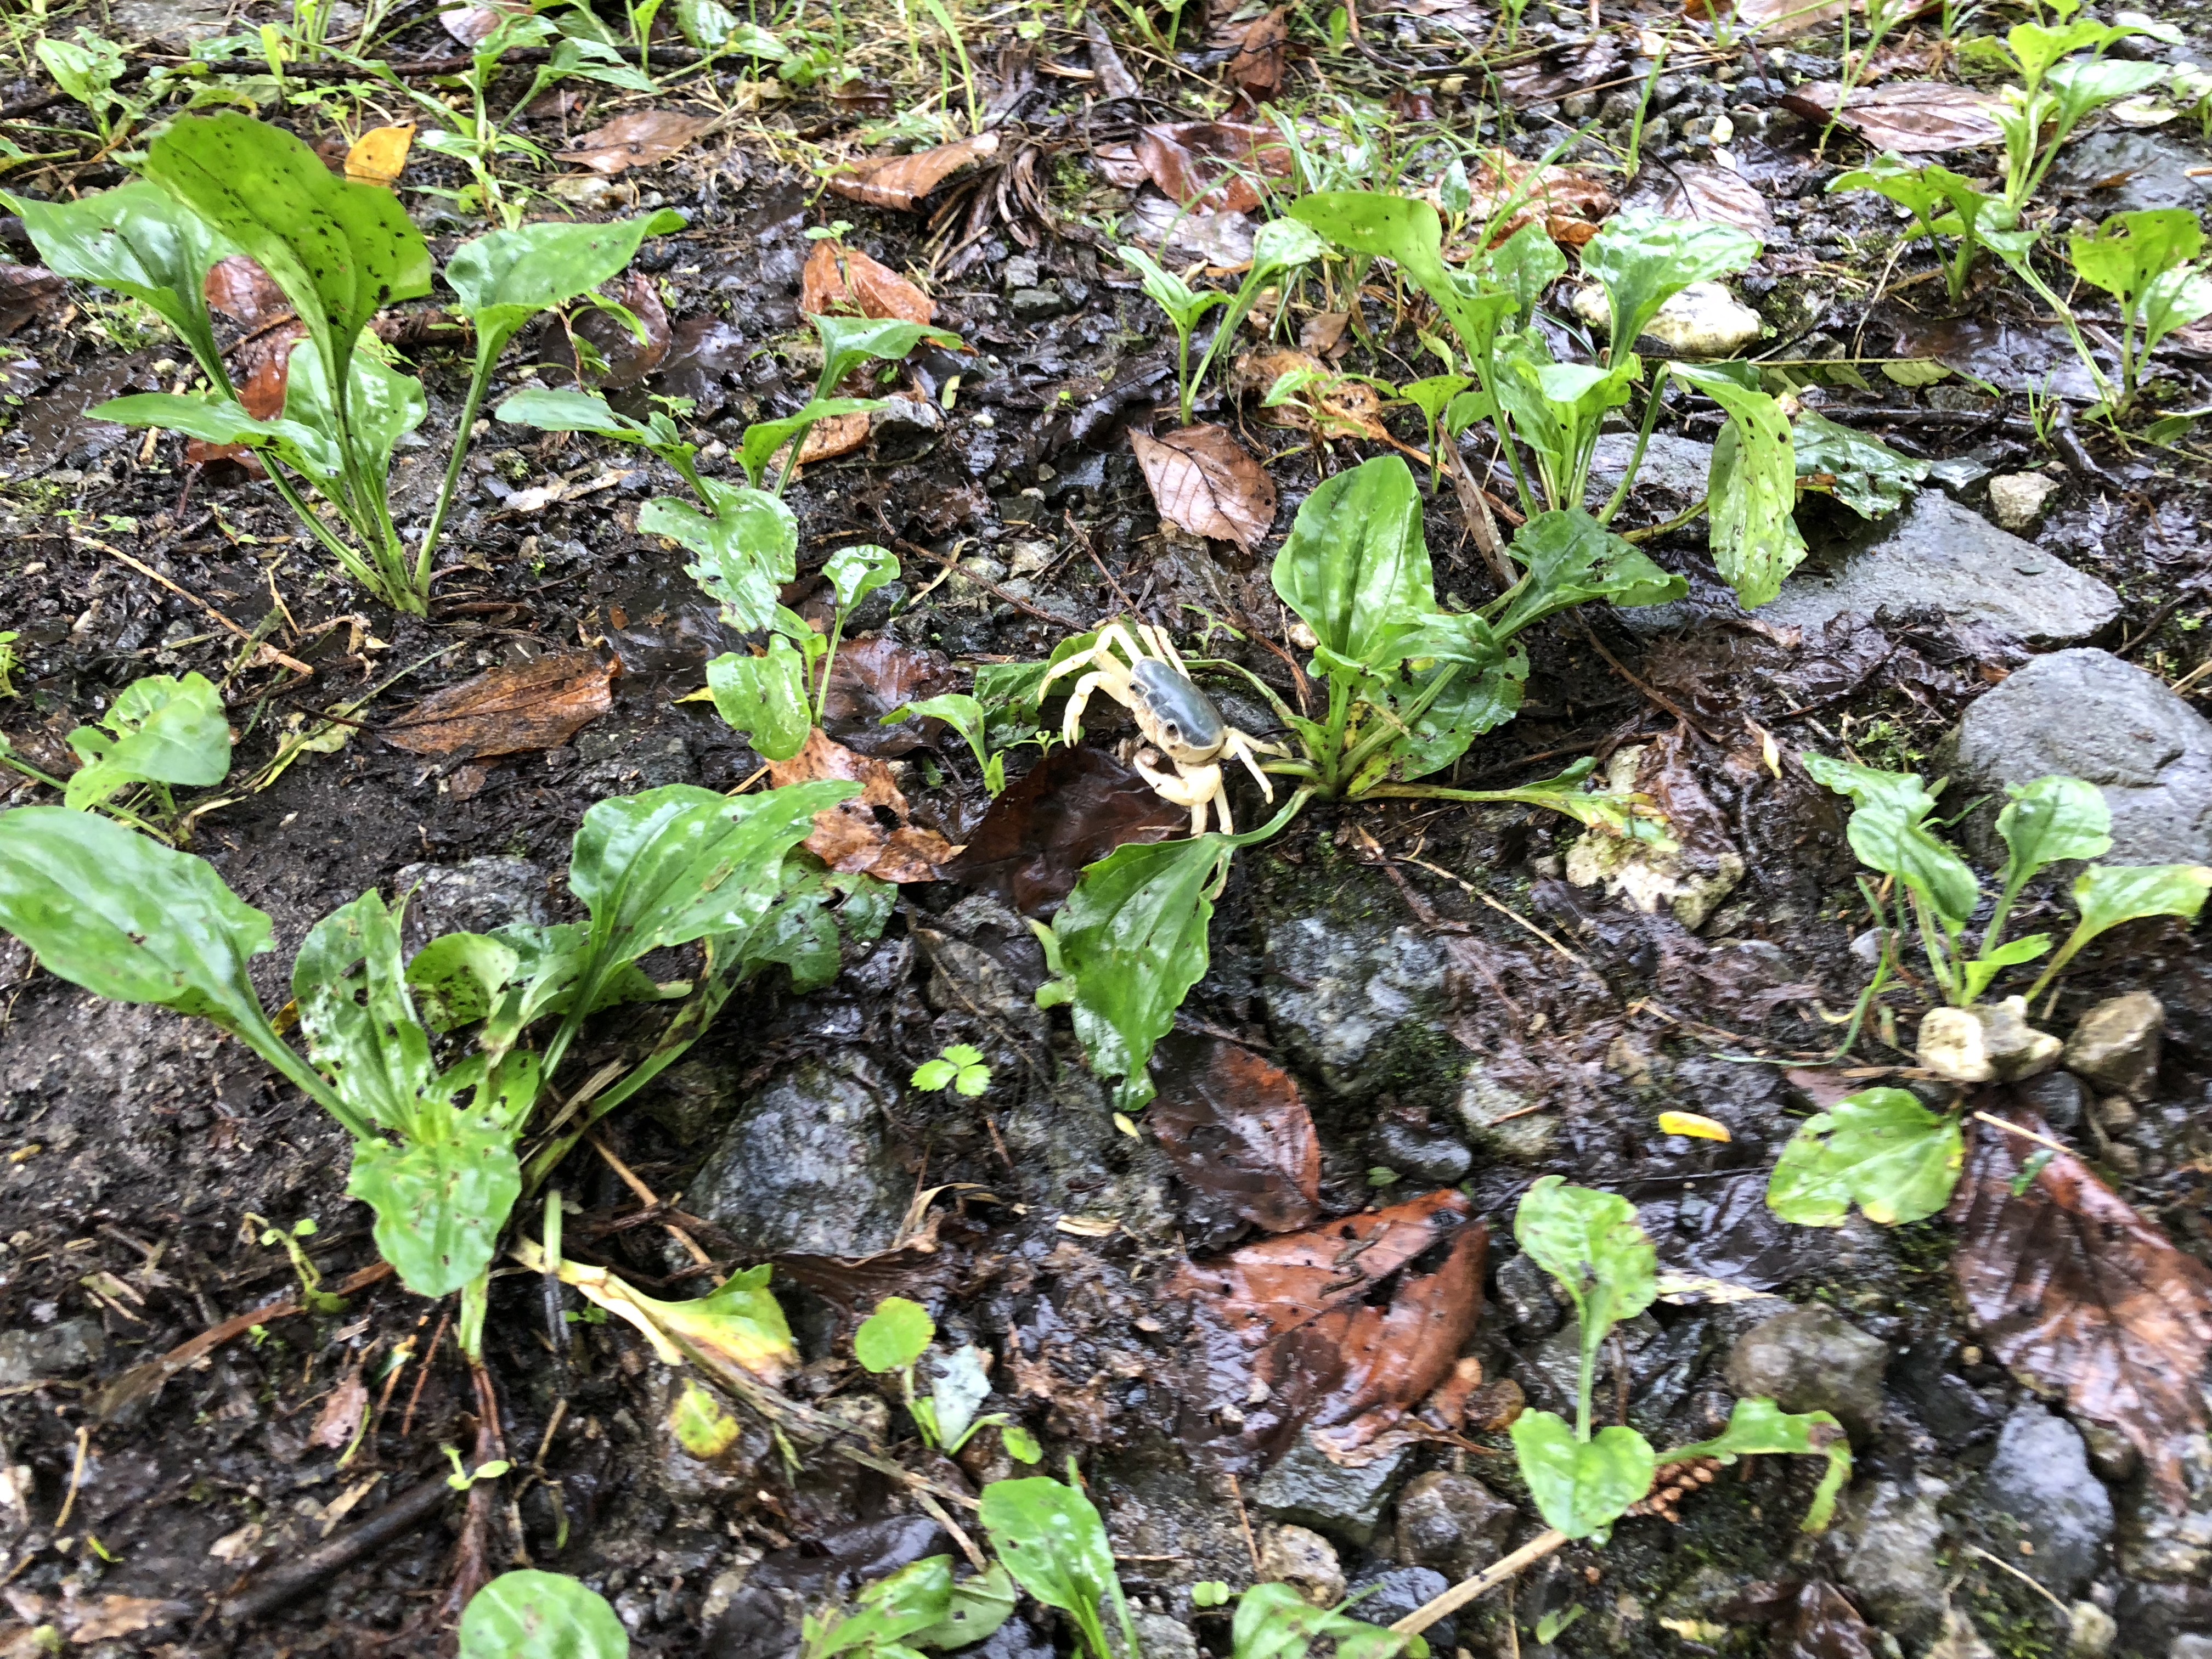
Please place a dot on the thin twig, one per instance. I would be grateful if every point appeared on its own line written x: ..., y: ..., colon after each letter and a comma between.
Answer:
x: 1482, y: 1583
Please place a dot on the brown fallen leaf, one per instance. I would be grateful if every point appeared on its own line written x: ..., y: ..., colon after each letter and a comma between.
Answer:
x: 902, y: 181
x: 2079, y: 1294
x: 1258, y: 51
x: 1323, y: 332
x: 509, y: 711
x: 851, y: 836
x: 624, y: 359
x: 1213, y: 167
x: 27, y: 293
x: 875, y: 675
x: 1203, y: 482
x: 1716, y: 196
x: 640, y: 138
x: 472, y: 25
x: 842, y: 281
x: 1571, y: 205
x: 1119, y: 166
x: 1561, y: 70
x: 378, y: 156
x: 113, y: 1617
x: 1069, y: 811
x: 1237, y: 1131
x: 1810, y: 1621
x: 341, y: 1413
x: 1325, y: 403
x: 1913, y: 117
x: 1772, y: 19
x: 261, y: 364
x: 1341, y: 1327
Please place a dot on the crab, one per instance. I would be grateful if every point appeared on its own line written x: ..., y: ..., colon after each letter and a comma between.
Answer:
x: 1176, y: 719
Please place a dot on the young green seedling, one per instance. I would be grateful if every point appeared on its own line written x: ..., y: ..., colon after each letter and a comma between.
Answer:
x: 2145, y: 262
x: 1052, y: 1539
x: 959, y: 1068
x: 1941, y: 203
x: 1185, y: 309
x: 894, y: 1340
x: 777, y: 699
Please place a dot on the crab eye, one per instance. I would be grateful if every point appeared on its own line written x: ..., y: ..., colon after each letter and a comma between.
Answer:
x: 1171, y: 731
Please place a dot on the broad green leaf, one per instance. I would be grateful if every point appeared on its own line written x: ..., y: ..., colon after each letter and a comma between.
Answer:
x: 341, y: 250
x: 916, y: 1598
x: 1479, y: 696
x: 1889, y: 833
x: 1275, y: 1621
x: 2050, y: 819
x: 1571, y: 559
x: 1012, y: 688
x: 1644, y: 258
x: 1281, y: 243
x: 384, y: 405
x: 1183, y: 307
x: 551, y: 409
x: 739, y: 1325
x: 1760, y: 1428
x: 442, y: 1195
x: 134, y: 922
x: 456, y: 978
x: 672, y: 865
x: 159, y: 730
x: 216, y: 418
x: 528, y: 1614
x: 136, y: 240
x: 849, y: 342
x: 764, y: 697
x: 2037, y: 47
x: 1526, y: 263
x: 1881, y: 1149
x: 85, y: 69
x: 854, y: 573
x: 977, y: 1607
x: 2083, y: 86
x: 1867, y: 474
x: 963, y: 712
x: 1590, y: 1242
x: 2107, y: 895
x: 1752, y: 490
x: 2129, y: 250
x: 508, y: 277
x: 1050, y: 1537
x: 763, y: 438
x: 359, y: 1018
x: 1409, y: 233
x: 746, y: 551
x: 893, y: 1337
x: 1982, y: 971
x: 1582, y: 1486
x: 1355, y: 566
x: 2174, y: 299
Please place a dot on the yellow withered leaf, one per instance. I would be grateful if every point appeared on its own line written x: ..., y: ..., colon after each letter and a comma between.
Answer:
x: 379, y: 155
x: 1689, y: 1123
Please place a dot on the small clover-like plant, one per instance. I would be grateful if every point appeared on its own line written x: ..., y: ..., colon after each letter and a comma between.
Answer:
x: 959, y: 1067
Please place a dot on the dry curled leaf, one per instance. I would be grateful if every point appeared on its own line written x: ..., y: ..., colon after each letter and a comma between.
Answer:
x: 1570, y: 204
x: 639, y: 139
x: 1716, y: 196
x: 1213, y: 167
x: 1236, y: 1129
x: 1321, y: 401
x: 876, y: 675
x: 378, y: 156
x: 1203, y: 482
x: 1257, y: 49
x: 341, y: 1413
x: 2077, y: 1293
x: 1913, y: 117
x: 902, y: 181
x: 1346, y: 1326
x: 843, y: 282
x: 509, y: 711
x: 853, y: 836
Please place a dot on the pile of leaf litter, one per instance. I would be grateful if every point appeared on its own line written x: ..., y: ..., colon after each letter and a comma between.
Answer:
x: 1211, y: 324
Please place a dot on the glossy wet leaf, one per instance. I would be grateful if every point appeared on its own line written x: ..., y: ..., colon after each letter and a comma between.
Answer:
x: 893, y: 1337
x: 1590, y: 1242
x: 508, y: 277
x: 849, y: 342
x: 341, y: 250
x: 1863, y: 472
x: 746, y: 551
x: 1409, y: 232
x: 1572, y: 559
x: 872, y: 831
x: 2048, y: 820
x: 1355, y: 568
x: 764, y: 697
x: 841, y: 279
x: 1752, y: 487
x: 2108, y: 895
x: 133, y: 922
x: 1275, y: 1621
x: 456, y: 978
x: 855, y: 572
x: 2083, y: 1296
x: 1234, y: 1126
x: 764, y: 440
x: 528, y: 1614
x: 891, y: 1609
x: 441, y: 1195
x: 159, y: 730
x: 976, y: 1610
x: 358, y: 1014
x: 1581, y: 1486
x: 1879, y: 1149
x: 215, y: 418
x: 1062, y: 816
x: 1890, y: 834
x: 136, y: 240
x: 2174, y: 299
x: 901, y: 181
x: 1051, y: 1539
x: 1760, y: 1428
x: 1644, y: 259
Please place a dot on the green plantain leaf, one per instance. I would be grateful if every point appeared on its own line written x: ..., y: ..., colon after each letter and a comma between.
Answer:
x: 764, y: 697
x: 1644, y: 258
x: 1590, y: 1242
x: 160, y: 730
x: 508, y: 277
x: 1582, y: 1486
x: 1355, y: 566
x: 1753, y: 489
x: 1869, y: 477
x: 1572, y: 559
x: 763, y: 438
x: 1050, y: 1537
x: 215, y: 418
x: 746, y: 551
x: 1274, y: 1621
x: 540, y: 1615
x: 1881, y: 1149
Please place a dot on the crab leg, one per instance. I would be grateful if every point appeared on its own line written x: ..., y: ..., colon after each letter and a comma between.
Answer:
x: 1078, y: 698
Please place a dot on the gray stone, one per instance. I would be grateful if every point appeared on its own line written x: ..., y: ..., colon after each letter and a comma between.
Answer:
x: 2016, y: 499
x: 2089, y: 716
x: 1810, y: 1359
x: 473, y: 897
x: 1438, y: 1159
x: 2059, y: 1096
x: 1452, y: 1522
x: 1336, y: 990
x: 1501, y: 1119
x: 2126, y: 171
x: 57, y: 1350
x: 1671, y: 479
x: 2189, y: 1646
x: 1386, y: 1596
x: 1895, y: 1564
x: 1524, y: 1290
x: 2041, y: 1478
x: 1299, y: 1556
x: 1938, y: 556
x: 1951, y: 1408
x: 1021, y: 270
x: 1306, y: 1490
x: 805, y: 1168
x: 1036, y: 305
x: 2162, y: 1544
x: 2090, y: 1631
x: 1993, y: 1040
x: 1159, y: 1635
x: 2115, y: 1047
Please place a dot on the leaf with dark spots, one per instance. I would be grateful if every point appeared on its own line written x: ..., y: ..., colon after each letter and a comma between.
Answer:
x: 509, y: 711
x: 876, y: 675
x: 2078, y: 1294
x: 1349, y: 1325
x: 1070, y: 810
x: 1235, y: 1128
x: 1213, y: 167
x: 640, y: 138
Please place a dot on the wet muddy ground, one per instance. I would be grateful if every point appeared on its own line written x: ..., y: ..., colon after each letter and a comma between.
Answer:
x: 1454, y: 1010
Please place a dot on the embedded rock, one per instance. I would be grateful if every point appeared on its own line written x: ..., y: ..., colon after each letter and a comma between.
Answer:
x: 1703, y: 321
x: 1385, y: 1597
x: 1895, y: 1566
x: 1438, y: 1159
x: 1992, y: 1043
x: 57, y: 1350
x: 1809, y: 1360
x: 1336, y: 989
x: 2016, y: 499
x: 1306, y: 1490
x: 1452, y: 1524
x: 2040, y: 1479
x: 2115, y: 1047
x: 1938, y: 556
x: 2090, y: 715
x: 1302, y: 1557
x: 805, y: 1168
